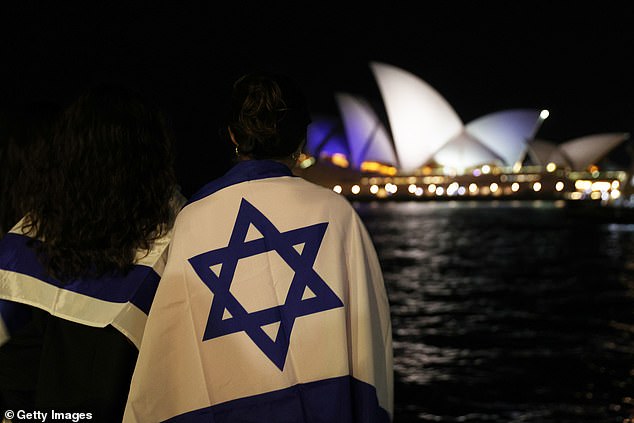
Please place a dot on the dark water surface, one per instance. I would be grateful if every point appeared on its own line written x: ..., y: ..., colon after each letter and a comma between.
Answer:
x: 507, y: 312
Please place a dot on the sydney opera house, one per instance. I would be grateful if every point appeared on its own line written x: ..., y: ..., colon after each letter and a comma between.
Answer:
x: 425, y: 151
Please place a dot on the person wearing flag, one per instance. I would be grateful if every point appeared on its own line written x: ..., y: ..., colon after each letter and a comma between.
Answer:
x: 79, y: 271
x: 272, y: 306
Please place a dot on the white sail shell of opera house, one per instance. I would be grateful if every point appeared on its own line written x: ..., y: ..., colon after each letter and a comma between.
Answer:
x: 426, y: 129
x: 324, y: 136
x: 507, y: 132
x: 421, y: 120
x: 368, y: 139
x: 465, y: 151
x: 587, y: 150
x: 497, y: 138
x: 577, y: 153
x: 542, y: 152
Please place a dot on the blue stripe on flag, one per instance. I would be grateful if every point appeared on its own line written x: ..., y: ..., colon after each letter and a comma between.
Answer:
x: 248, y: 170
x: 342, y: 400
x: 137, y: 286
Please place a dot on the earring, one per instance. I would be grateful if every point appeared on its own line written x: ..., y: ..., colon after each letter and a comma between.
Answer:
x: 237, y: 152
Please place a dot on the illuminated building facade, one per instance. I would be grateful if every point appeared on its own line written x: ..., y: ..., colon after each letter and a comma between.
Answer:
x: 429, y: 153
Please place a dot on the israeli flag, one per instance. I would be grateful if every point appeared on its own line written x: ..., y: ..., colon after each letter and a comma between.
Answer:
x: 272, y: 307
x: 122, y: 302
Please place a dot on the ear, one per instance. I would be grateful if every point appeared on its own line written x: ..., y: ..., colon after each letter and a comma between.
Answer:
x: 233, y: 138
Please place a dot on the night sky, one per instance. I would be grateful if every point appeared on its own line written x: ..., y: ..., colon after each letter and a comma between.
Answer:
x: 573, y: 60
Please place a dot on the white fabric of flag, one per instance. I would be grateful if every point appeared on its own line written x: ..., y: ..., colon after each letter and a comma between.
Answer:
x: 272, y: 307
x: 122, y: 301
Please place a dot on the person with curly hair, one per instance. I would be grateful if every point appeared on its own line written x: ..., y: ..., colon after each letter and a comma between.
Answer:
x: 272, y: 306
x: 79, y: 271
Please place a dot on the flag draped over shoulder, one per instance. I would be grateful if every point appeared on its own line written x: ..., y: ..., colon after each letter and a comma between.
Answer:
x: 272, y: 307
x: 122, y: 302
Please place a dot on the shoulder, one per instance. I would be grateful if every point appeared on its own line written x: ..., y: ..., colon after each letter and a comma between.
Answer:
x: 337, y: 200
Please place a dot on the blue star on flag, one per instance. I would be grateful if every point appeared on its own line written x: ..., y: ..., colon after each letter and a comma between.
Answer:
x: 295, y: 305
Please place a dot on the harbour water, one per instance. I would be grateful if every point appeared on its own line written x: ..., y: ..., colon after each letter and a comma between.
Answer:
x: 508, y: 311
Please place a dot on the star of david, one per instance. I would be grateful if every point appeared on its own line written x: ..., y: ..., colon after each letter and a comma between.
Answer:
x: 228, y: 315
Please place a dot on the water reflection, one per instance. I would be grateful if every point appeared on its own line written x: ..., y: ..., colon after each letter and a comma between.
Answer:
x: 507, y: 313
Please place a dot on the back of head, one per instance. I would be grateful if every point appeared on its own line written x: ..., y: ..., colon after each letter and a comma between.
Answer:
x: 107, y: 183
x: 268, y: 116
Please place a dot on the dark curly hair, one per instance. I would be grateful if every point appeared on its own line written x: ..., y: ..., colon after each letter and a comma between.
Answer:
x: 268, y: 115
x: 24, y: 130
x: 107, y: 185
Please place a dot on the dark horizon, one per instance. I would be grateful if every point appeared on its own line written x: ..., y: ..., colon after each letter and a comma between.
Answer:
x: 570, y: 59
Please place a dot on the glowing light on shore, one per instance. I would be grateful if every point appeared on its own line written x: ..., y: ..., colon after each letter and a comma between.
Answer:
x: 551, y: 167
x: 537, y: 186
x: 340, y: 160
x: 515, y: 187
x: 602, y: 186
x: 583, y: 185
x: 391, y: 188
x: 306, y: 161
x: 378, y: 168
x: 355, y: 189
x: 559, y: 186
x: 337, y: 189
x: 493, y: 187
x: 453, y: 188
